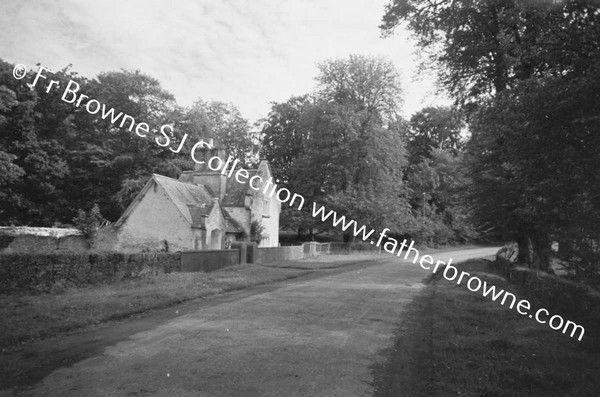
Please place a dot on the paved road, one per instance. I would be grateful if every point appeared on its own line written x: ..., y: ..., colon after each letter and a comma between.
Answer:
x: 314, y: 337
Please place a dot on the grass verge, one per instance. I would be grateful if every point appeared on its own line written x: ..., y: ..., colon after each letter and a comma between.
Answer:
x: 329, y: 261
x: 456, y: 342
x: 26, y: 316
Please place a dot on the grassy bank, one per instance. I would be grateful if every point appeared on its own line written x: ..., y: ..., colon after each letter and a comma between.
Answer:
x: 26, y: 316
x: 455, y: 342
x: 329, y: 261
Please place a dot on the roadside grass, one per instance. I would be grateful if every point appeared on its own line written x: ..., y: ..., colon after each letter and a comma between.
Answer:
x: 329, y: 261
x: 27, y: 316
x: 456, y: 342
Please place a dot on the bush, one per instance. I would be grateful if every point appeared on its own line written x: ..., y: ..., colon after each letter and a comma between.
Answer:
x: 89, y: 223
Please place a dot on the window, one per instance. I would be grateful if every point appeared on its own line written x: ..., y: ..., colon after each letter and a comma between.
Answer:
x: 265, y: 242
x: 266, y: 207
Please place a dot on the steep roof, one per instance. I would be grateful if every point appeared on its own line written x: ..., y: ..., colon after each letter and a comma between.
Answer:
x: 199, y: 213
x: 231, y: 225
x: 193, y: 201
x: 236, y: 192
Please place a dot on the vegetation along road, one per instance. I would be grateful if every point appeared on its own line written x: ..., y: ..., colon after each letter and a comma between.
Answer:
x: 317, y: 336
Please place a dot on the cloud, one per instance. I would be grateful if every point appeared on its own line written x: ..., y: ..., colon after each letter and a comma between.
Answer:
x: 245, y: 52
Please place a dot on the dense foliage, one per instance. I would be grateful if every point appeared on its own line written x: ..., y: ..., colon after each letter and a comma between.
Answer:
x: 56, y: 158
x: 345, y: 146
x: 526, y: 74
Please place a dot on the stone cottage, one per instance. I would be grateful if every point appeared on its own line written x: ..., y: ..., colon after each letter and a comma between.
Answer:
x: 203, y: 209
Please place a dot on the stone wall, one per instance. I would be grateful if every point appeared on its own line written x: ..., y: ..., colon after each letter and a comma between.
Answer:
x: 276, y: 254
x: 41, y: 239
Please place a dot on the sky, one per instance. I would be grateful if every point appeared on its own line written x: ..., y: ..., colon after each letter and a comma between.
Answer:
x: 246, y: 52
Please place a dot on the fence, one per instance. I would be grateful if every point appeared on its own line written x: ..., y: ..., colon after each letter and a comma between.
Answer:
x: 209, y: 260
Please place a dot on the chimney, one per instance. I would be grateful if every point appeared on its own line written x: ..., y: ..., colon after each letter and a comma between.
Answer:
x: 205, y: 154
x: 203, y: 175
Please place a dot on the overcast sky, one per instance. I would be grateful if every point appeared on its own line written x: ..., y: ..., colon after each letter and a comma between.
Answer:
x: 247, y: 52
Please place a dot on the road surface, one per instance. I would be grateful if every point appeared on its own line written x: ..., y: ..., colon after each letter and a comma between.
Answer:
x: 316, y: 337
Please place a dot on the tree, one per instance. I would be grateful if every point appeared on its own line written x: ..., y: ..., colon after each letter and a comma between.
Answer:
x: 535, y: 148
x: 493, y: 57
x: 256, y: 231
x: 284, y: 134
x: 438, y: 188
x: 33, y: 154
x: 364, y: 83
x: 434, y: 128
x: 480, y: 48
x: 56, y: 156
x: 89, y: 222
x: 111, y: 163
x: 224, y: 123
x: 342, y: 144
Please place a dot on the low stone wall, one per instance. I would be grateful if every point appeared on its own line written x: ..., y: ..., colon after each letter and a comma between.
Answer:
x: 208, y: 260
x: 276, y: 254
x: 39, y: 271
x: 41, y: 239
x: 313, y: 248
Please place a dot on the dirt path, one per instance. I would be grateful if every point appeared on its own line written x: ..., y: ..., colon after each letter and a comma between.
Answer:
x: 305, y: 337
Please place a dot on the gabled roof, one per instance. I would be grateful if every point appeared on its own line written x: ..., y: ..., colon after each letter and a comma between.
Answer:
x: 194, y: 202
x: 231, y: 225
x: 199, y: 213
x: 236, y: 192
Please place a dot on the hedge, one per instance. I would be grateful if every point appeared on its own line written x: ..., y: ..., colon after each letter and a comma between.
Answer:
x: 38, y: 271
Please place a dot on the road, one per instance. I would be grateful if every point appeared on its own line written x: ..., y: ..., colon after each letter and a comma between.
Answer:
x: 316, y: 337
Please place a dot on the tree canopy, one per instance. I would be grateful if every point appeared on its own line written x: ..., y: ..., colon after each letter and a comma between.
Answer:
x: 57, y: 158
x: 525, y: 73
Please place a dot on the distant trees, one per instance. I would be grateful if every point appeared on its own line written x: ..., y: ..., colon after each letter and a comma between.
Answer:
x: 438, y: 194
x: 434, y: 128
x: 224, y: 123
x: 341, y: 146
x: 345, y: 146
x: 111, y: 164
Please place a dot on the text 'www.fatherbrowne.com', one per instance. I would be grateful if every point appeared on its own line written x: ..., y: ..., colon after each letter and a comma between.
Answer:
x: 451, y: 273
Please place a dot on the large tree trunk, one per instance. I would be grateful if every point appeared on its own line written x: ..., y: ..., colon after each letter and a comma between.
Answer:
x: 523, y: 257
x: 542, y: 251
